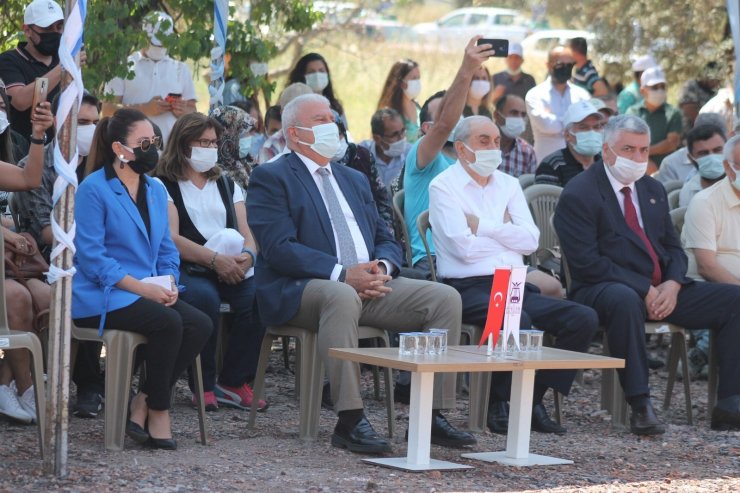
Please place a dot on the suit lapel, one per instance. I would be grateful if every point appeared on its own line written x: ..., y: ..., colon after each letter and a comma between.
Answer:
x: 354, y: 203
x: 309, y: 184
x: 648, y: 208
x: 155, y: 218
x: 124, y: 199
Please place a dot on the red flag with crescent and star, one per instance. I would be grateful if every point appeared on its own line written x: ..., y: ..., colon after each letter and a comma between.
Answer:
x: 496, y: 305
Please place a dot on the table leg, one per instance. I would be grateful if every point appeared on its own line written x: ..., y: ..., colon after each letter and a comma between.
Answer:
x: 520, y: 422
x: 420, y: 431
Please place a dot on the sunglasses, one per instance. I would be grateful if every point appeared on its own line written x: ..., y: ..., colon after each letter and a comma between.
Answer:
x: 145, y: 144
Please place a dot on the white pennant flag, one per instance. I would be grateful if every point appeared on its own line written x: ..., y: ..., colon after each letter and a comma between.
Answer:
x: 514, y: 306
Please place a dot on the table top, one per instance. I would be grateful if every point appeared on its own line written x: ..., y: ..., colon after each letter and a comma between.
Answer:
x: 472, y: 358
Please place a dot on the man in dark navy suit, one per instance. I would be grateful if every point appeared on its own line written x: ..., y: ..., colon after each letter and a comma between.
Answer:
x: 626, y: 262
x: 327, y: 262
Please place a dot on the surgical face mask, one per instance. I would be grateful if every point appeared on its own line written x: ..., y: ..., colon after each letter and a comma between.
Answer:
x: 627, y: 171
x: 145, y: 161
x: 396, y: 148
x: 562, y: 73
x: 588, y: 143
x: 341, y: 150
x: 413, y: 88
x: 479, y: 88
x: 84, y: 138
x: 514, y: 72
x: 656, y: 97
x: 325, y: 139
x: 245, y: 146
x: 48, y: 45
x: 486, y: 161
x: 711, y: 167
x: 4, y: 122
x: 203, y: 159
x: 514, y: 126
x: 736, y: 182
x: 156, y: 53
x: 317, y: 81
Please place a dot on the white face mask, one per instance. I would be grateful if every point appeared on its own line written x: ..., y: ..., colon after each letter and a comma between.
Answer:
x: 341, y: 150
x: 656, y: 97
x: 245, y: 146
x: 413, y: 88
x: 325, y: 139
x: 4, y: 123
x: 627, y: 171
x: 479, y: 88
x: 84, y: 138
x: 203, y: 159
x: 317, y: 81
x: 486, y: 161
x: 156, y: 53
x: 514, y: 126
x: 396, y: 149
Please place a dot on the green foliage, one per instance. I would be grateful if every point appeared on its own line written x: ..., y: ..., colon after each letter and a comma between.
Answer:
x: 114, y: 30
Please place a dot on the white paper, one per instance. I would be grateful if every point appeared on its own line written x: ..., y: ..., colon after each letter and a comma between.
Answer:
x: 513, y: 314
x: 161, y: 281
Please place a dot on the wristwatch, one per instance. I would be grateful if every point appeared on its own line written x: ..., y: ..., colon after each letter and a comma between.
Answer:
x: 342, y: 275
x: 36, y: 141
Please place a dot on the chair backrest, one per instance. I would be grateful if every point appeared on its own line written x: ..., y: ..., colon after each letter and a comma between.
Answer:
x: 422, y: 224
x: 673, y: 185
x: 566, y: 270
x: 673, y: 196
x: 4, y: 327
x: 526, y: 180
x: 542, y: 200
x: 398, y: 200
x: 677, y: 218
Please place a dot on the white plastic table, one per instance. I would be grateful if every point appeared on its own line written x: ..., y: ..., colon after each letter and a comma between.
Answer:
x: 471, y: 359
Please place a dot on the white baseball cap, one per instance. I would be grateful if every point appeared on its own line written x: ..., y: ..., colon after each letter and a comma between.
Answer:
x: 642, y: 63
x: 153, y: 25
x: 516, y: 49
x: 577, y: 112
x: 652, y: 76
x: 42, y: 13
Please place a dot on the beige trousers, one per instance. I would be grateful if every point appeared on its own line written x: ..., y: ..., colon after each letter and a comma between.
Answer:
x: 335, y: 310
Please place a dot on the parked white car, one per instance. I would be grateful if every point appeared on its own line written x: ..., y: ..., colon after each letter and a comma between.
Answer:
x: 539, y: 44
x: 455, y: 29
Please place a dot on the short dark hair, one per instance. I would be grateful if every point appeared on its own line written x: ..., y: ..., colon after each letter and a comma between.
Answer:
x: 377, y: 122
x: 88, y: 98
x: 578, y: 45
x: 424, y: 115
x: 273, y: 113
x: 703, y: 132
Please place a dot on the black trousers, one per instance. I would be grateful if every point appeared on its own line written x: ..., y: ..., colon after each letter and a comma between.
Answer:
x: 699, y: 305
x: 87, y: 375
x: 573, y: 325
x: 175, y: 335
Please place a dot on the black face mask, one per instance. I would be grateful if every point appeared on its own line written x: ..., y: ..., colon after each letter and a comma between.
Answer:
x: 49, y: 43
x: 562, y: 73
x: 145, y: 160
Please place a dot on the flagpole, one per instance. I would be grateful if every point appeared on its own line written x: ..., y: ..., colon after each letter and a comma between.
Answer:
x: 61, y: 269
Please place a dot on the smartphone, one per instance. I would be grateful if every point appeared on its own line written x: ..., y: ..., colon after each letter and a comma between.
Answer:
x: 500, y: 46
x: 41, y: 90
x: 172, y: 97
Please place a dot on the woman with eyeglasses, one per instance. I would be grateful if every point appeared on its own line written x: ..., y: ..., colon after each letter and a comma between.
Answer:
x: 128, y: 268
x: 208, y: 223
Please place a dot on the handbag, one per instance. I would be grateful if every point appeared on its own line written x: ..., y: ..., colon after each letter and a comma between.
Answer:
x: 34, y: 266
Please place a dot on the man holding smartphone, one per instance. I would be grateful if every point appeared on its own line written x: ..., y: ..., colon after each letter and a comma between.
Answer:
x: 162, y: 87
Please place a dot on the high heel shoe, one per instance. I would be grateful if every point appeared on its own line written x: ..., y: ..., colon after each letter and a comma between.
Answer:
x: 162, y: 443
x: 136, y: 432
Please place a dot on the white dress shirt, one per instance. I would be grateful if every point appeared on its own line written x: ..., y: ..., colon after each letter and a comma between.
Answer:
x: 462, y: 253
x: 360, y: 247
x: 618, y: 186
x: 546, y: 108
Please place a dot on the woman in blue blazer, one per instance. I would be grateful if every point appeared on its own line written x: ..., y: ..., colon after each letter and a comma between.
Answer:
x: 122, y: 239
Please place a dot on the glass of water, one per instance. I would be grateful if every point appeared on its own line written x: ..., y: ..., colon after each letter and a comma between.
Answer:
x: 407, y: 343
x: 422, y: 343
x: 443, y: 338
x: 434, y: 343
x: 524, y: 340
x: 535, y: 340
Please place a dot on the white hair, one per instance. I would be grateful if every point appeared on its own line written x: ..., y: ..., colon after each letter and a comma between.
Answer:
x: 729, y: 149
x: 624, y: 123
x: 293, y: 110
x: 463, y: 128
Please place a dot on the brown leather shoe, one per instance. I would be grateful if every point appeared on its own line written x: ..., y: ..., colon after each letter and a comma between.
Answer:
x: 643, y: 421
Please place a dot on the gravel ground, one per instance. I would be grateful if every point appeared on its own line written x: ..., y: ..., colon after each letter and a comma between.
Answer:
x: 270, y: 458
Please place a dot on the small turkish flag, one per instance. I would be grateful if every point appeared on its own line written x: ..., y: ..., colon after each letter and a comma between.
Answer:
x: 496, y: 305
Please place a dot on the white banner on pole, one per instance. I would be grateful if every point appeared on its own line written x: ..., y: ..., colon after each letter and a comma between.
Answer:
x: 514, y: 306
x: 733, y: 13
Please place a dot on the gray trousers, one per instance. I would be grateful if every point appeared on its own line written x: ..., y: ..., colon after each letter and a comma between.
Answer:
x: 336, y: 310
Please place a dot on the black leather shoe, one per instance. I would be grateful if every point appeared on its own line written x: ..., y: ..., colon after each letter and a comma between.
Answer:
x: 643, y: 421
x: 136, y: 432
x: 498, y: 417
x: 542, y: 422
x: 362, y: 439
x: 726, y: 414
x: 402, y: 393
x: 162, y: 443
x: 446, y: 435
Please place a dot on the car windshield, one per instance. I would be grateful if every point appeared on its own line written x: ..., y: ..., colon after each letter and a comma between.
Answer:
x: 454, y: 21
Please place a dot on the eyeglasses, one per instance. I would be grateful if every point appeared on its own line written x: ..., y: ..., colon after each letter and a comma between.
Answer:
x: 146, y: 143
x: 396, y: 135
x: 206, y: 142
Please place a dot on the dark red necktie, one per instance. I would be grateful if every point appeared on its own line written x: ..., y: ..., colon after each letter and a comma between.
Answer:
x: 630, y: 215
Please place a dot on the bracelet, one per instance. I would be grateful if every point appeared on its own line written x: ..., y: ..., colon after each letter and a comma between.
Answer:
x: 250, y: 252
x: 213, y: 260
x: 34, y: 140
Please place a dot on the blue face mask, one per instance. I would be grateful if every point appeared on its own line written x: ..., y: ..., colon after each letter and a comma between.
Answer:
x: 245, y: 146
x: 711, y: 167
x: 588, y: 143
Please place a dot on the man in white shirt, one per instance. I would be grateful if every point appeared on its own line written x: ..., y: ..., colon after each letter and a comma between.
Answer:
x: 548, y: 102
x: 481, y: 221
x: 162, y: 88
